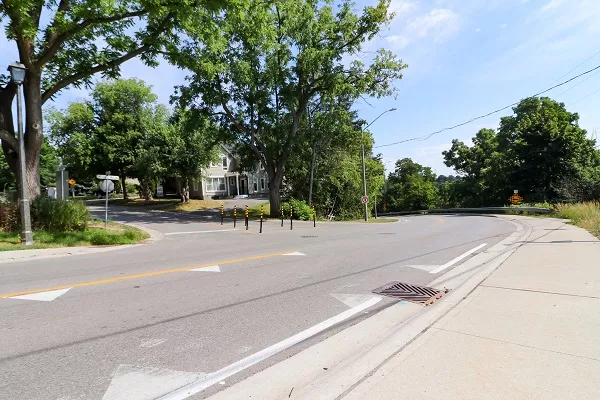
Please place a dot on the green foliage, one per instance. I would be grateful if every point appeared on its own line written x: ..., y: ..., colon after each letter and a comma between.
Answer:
x: 47, y: 214
x: 300, y: 209
x: 102, y: 237
x: 540, y: 150
x: 89, y: 236
x: 56, y: 215
x: 271, y: 60
x: 411, y: 187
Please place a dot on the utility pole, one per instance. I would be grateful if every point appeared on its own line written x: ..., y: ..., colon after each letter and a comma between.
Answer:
x: 362, y: 135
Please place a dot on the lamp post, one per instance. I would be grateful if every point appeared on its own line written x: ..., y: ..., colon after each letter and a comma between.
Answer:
x: 364, y: 173
x: 17, y: 75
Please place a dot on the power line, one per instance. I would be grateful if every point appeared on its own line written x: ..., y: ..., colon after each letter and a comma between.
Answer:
x: 578, y: 83
x: 423, y: 138
x: 578, y: 65
x: 583, y: 98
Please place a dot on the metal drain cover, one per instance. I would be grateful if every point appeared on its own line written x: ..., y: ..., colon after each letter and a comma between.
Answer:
x: 406, y: 291
x: 387, y: 233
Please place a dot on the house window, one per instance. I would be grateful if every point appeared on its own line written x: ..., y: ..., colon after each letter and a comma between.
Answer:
x: 262, y: 183
x: 195, y: 185
x: 224, y: 163
x: 261, y: 166
x: 268, y: 185
x: 255, y: 184
x: 215, y: 184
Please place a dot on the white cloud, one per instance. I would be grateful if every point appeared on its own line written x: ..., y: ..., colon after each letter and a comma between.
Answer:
x: 398, y: 42
x: 400, y: 7
x: 552, y: 4
x: 440, y: 23
x: 478, y: 30
x: 503, y: 26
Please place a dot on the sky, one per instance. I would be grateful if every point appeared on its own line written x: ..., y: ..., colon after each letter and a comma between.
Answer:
x: 465, y: 58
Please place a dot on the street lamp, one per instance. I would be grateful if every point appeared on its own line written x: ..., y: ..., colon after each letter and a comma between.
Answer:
x: 362, y: 131
x: 17, y: 75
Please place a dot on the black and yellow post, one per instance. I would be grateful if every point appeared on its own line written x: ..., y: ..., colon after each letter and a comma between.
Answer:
x: 222, y: 212
x: 291, y: 217
x: 246, y: 215
x: 314, y: 217
x: 261, y: 217
x: 282, y: 216
x: 234, y: 215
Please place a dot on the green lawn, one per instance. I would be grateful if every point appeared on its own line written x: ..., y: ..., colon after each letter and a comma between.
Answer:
x: 95, y: 234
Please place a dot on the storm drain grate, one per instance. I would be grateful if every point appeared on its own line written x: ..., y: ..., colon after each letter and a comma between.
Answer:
x: 405, y: 291
x: 387, y: 233
x: 308, y: 237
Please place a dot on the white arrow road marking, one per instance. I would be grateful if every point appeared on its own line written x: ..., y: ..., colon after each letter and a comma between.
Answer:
x: 131, y: 382
x: 352, y: 300
x: 212, y: 268
x: 224, y: 373
x: 457, y: 259
x: 192, y: 232
x: 427, y: 268
x: 295, y: 253
x: 43, y: 296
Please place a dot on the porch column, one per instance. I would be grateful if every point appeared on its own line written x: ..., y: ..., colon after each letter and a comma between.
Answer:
x: 237, y: 181
x: 227, y: 184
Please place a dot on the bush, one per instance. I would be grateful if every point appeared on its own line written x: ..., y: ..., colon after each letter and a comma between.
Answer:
x: 302, y: 211
x: 58, y: 215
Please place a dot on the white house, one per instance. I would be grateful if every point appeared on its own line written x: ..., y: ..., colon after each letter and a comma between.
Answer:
x: 223, y: 179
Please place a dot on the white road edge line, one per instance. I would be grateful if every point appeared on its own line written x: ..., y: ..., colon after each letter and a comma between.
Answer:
x: 224, y: 373
x: 457, y: 259
x: 187, y: 233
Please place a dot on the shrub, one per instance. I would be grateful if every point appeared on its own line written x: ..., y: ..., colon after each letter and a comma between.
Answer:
x: 302, y: 211
x: 57, y: 215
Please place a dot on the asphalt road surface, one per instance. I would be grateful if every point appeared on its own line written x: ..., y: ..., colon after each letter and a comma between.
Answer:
x: 139, y: 322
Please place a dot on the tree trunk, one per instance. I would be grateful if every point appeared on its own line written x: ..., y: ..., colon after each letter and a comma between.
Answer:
x: 146, y: 190
x: 123, y: 186
x: 274, y: 196
x: 184, y: 190
x: 33, y: 126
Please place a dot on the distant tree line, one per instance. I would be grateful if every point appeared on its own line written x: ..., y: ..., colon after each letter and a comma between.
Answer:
x: 540, y: 151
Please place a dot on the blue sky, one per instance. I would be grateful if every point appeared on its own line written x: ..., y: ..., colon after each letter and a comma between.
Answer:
x: 466, y: 58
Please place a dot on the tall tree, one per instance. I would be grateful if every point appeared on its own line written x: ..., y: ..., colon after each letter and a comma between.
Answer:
x: 540, y: 150
x: 82, y: 38
x: 190, y: 147
x: 272, y: 59
x: 106, y: 132
x: 411, y: 186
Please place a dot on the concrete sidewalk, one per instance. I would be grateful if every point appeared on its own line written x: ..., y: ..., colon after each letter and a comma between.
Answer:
x: 530, y: 330
x: 523, y: 323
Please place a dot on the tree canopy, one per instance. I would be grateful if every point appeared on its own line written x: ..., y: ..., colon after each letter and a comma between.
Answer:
x: 272, y: 60
x: 64, y: 43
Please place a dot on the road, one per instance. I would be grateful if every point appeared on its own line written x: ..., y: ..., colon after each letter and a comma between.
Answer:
x: 138, y: 322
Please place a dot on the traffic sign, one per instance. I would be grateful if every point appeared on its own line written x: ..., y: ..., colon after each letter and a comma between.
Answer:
x: 109, y: 177
x: 365, y: 199
x: 515, y: 199
x: 107, y: 186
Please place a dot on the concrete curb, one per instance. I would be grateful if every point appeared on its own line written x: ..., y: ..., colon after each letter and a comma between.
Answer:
x: 353, y: 355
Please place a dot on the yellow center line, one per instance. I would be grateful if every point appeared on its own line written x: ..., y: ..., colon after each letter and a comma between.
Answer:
x: 143, y: 275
